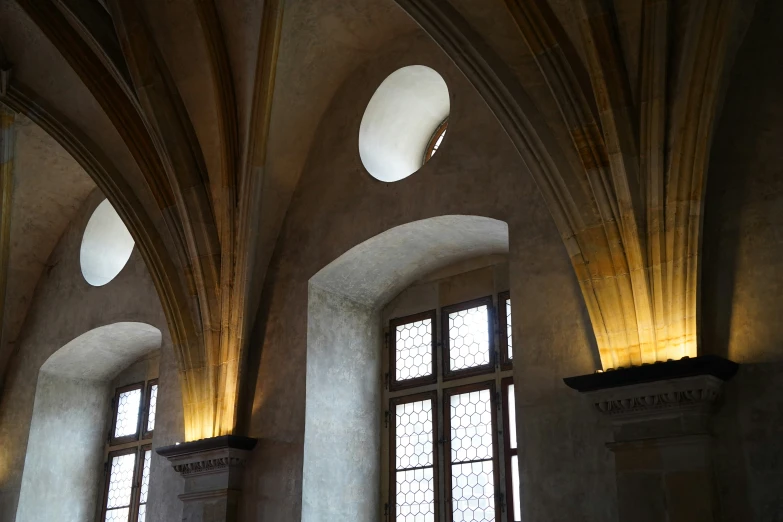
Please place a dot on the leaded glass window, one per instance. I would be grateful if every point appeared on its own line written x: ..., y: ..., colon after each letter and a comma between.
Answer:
x: 122, y: 467
x: 150, y: 408
x: 413, y: 353
x: 127, y: 413
x: 468, y: 339
x: 127, y: 476
x: 458, y: 478
x: 414, y: 460
x: 504, y: 320
x: 512, y: 458
x: 472, y: 456
x: 145, y: 483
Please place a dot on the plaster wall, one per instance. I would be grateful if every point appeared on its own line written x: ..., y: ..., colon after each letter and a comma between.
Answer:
x: 338, y: 205
x: 72, y: 415
x: 63, y: 467
x: 342, y: 446
x: 49, y: 188
x: 742, y: 274
x: 63, y: 307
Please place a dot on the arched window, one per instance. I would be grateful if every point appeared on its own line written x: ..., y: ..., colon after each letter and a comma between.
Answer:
x: 436, y: 140
x: 448, y: 402
x: 347, y: 362
x: 72, y: 415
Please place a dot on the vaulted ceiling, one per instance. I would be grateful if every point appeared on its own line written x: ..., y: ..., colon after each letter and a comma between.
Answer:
x: 195, y: 118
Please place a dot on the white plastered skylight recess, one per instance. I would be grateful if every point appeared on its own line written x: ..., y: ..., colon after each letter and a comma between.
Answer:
x: 399, y: 122
x: 106, y: 246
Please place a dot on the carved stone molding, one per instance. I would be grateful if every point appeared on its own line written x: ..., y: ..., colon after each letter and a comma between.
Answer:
x: 664, y: 401
x: 201, y: 467
x: 690, y: 393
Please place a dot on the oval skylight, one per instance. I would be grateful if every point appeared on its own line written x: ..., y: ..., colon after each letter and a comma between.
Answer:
x: 106, y: 246
x: 398, y: 125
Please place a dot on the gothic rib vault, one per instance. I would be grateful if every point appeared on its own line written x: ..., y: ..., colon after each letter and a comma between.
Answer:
x: 621, y: 167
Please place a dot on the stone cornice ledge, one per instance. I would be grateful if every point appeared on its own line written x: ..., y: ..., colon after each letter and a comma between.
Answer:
x: 718, y: 367
x: 208, y: 456
x: 688, y: 385
x: 213, y: 443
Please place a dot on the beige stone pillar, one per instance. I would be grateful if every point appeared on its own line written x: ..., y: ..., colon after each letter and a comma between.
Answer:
x: 212, y: 469
x: 660, y: 417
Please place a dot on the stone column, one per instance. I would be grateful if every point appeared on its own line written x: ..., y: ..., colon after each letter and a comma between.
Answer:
x: 660, y: 416
x: 212, y: 469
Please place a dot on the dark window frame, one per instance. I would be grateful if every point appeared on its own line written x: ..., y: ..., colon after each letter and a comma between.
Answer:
x: 393, y: 403
x: 115, y: 441
x: 447, y: 394
x: 133, y: 504
x: 394, y: 384
x: 446, y: 339
x: 508, y: 451
x: 146, y: 410
x: 506, y: 363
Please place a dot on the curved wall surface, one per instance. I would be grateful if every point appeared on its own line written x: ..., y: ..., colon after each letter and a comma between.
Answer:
x: 64, y: 307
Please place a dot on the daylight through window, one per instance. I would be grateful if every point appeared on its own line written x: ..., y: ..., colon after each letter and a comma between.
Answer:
x: 449, y: 457
x: 436, y: 140
x: 129, y: 453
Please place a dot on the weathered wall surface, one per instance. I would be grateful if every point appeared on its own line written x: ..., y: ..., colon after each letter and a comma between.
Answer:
x: 342, y: 449
x: 742, y: 273
x: 66, y: 433
x: 338, y: 205
x: 49, y: 189
x: 65, y: 306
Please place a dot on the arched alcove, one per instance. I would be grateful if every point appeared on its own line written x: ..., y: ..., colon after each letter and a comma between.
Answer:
x: 341, y: 472
x: 62, y: 468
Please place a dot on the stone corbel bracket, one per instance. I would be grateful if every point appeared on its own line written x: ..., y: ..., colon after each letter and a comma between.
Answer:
x: 659, y: 401
x: 212, y: 469
x: 204, y: 464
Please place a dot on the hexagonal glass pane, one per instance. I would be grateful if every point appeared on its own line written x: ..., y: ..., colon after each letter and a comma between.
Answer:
x: 413, y: 434
x: 413, y: 350
x: 469, y: 338
x: 128, y: 413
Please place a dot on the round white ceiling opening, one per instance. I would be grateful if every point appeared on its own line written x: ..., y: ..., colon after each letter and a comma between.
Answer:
x: 407, y: 109
x: 106, y: 246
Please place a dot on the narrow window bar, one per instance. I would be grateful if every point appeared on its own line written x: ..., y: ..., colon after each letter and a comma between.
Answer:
x: 144, y: 481
x: 506, y: 342
x: 150, y: 408
x: 513, y: 502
